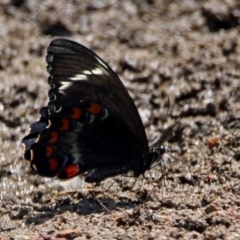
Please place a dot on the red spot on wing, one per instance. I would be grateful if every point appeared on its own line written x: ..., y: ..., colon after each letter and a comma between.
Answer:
x: 65, y: 125
x: 49, y: 151
x: 54, y: 137
x: 94, y: 109
x: 69, y: 171
x: 77, y: 113
x: 53, y: 164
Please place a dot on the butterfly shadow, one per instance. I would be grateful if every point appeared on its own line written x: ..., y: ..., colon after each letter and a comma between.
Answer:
x: 85, y: 206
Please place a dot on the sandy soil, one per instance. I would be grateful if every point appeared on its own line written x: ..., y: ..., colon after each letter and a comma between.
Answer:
x: 181, y: 50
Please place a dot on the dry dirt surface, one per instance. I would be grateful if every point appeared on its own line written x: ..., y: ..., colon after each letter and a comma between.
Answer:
x: 184, y: 52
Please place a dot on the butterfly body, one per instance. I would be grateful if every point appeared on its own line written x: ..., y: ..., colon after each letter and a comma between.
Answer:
x: 91, y: 125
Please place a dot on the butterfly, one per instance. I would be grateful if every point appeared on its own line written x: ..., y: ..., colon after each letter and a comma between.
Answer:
x: 91, y: 126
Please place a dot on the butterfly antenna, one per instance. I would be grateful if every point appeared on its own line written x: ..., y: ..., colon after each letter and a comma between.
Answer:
x: 166, y: 112
x: 164, y: 136
x: 158, y: 147
x: 165, y: 119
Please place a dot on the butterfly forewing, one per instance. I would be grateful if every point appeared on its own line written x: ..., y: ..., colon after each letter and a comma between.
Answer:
x: 67, y: 60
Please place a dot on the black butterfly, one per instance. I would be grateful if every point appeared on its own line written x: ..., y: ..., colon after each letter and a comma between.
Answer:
x: 91, y: 125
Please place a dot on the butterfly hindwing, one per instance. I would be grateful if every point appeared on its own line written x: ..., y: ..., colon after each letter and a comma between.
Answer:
x: 90, y: 124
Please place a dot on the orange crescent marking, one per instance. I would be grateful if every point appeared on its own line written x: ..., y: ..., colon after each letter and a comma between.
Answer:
x: 53, y: 164
x: 65, y: 125
x: 76, y: 113
x: 54, y: 137
x: 94, y: 108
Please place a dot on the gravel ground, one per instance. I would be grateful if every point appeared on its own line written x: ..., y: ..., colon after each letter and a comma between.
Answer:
x: 181, y: 50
